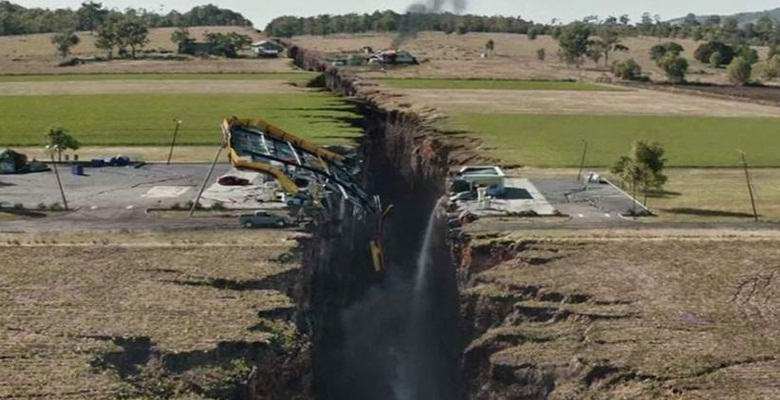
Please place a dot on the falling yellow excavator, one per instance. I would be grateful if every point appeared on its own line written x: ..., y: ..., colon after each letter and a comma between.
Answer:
x: 304, y: 170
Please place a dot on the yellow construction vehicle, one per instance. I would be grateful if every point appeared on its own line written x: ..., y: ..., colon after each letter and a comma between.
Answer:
x: 303, y: 169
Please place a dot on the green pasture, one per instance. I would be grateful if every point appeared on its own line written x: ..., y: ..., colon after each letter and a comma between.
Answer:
x: 134, y: 120
x: 282, y: 76
x: 557, y: 140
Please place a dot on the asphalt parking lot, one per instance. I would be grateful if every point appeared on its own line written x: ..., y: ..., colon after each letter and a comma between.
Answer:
x: 558, y: 196
x: 110, y: 189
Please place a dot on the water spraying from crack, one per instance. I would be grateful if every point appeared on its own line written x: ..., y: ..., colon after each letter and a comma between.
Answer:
x: 425, y: 259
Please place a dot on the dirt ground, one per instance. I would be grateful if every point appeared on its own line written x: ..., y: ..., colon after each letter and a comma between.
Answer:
x: 149, y: 87
x: 625, y: 318
x: 138, y: 315
x: 629, y: 102
x: 458, y: 56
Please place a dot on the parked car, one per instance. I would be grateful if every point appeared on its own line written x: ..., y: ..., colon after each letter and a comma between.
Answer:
x: 264, y: 219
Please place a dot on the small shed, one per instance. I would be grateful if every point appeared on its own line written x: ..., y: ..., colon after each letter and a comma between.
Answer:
x: 267, y: 48
x: 490, y: 177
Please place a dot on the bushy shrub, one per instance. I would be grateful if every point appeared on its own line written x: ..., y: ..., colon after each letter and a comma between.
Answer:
x: 739, y: 71
x: 705, y: 51
x: 771, y: 68
x: 541, y: 54
x: 716, y: 60
x: 628, y: 70
x: 659, y: 51
x: 675, y: 68
x: 748, y: 53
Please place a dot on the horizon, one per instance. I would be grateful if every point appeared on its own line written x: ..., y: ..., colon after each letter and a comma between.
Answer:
x: 542, y: 13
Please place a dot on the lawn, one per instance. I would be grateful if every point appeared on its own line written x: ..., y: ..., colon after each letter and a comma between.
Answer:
x: 493, y: 84
x: 130, y: 119
x: 285, y: 76
x: 556, y: 140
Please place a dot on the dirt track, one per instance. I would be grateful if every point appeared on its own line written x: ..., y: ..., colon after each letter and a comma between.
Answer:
x: 146, y: 87
x: 631, y: 102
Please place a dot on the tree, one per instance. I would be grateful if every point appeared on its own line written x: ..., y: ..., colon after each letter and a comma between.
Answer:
x: 64, y: 41
x: 705, y: 51
x: 771, y: 68
x: 90, y: 16
x: 675, y: 68
x: 107, y: 37
x: 739, y: 71
x: 716, y: 60
x: 659, y: 51
x: 574, y: 42
x: 541, y: 54
x: 181, y: 36
x: 490, y: 46
x: 610, y: 41
x: 643, y: 168
x: 628, y: 70
x: 748, y: 53
x: 133, y: 33
x: 60, y: 140
x: 228, y: 44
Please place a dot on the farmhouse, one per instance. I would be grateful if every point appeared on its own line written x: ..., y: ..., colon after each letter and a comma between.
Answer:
x: 267, y: 48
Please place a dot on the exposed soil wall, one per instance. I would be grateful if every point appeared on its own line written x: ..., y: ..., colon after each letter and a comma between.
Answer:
x: 373, y: 334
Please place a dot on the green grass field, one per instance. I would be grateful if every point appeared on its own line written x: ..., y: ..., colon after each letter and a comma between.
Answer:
x: 556, y: 140
x: 493, y: 84
x: 148, y: 119
x: 284, y: 76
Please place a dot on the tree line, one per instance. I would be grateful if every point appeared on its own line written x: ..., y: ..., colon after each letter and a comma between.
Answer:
x: 19, y: 20
x: 765, y: 31
x: 391, y: 21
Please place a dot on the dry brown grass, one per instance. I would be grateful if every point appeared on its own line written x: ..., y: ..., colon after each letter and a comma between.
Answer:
x: 640, y: 319
x: 147, y: 87
x: 34, y: 54
x: 68, y: 299
x: 629, y: 102
x: 458, y: 56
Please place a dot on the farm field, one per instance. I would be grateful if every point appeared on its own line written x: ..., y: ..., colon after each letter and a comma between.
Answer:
x: 34, y: 54
x: 630, y: 318
x: 493, y: 84
x: 182, y: 315
x: 515, y: 56
x: 296, y: 77
x: 146, y: 119
x: 556, y: 140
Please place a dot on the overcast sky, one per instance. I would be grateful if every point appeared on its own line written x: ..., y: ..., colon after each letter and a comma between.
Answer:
x: 262, y: 11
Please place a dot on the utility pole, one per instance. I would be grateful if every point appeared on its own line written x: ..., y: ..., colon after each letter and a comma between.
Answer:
x: 59, y: 182
x: 205, y: 181
x: 750, y: 186
x: 173, y: 141
x: 582, y: 162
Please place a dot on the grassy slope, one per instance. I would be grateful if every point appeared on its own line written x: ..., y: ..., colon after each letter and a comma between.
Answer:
x: 292, y: 76
x: 556, y: 140
x: 147, y: 119
x: 494, y: 84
